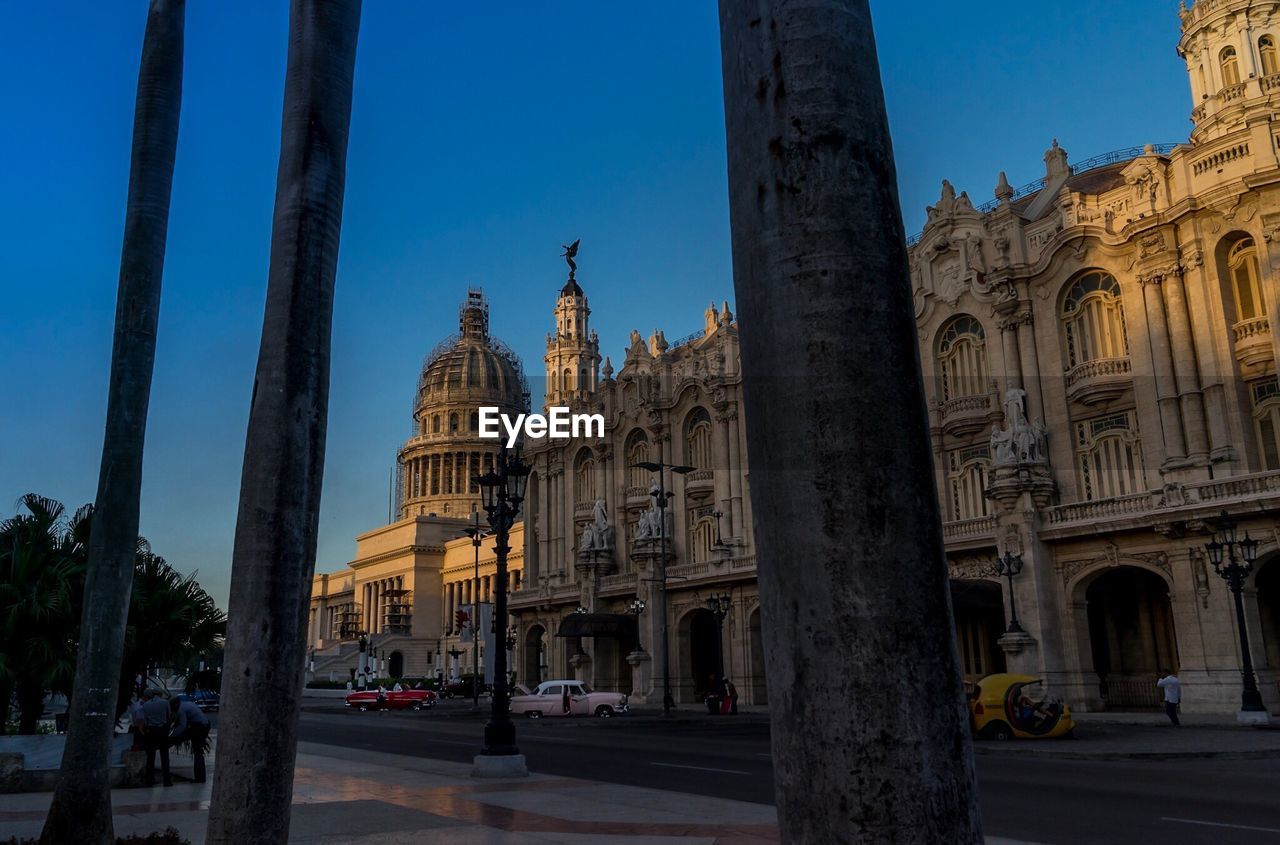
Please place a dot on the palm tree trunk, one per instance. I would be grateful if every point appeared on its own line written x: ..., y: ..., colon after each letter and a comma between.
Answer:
x: 275, y: 542
x: 81, y: 808
x: 870, y: 738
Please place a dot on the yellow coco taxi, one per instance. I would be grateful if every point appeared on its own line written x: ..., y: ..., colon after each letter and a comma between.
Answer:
x: 1016, y: 707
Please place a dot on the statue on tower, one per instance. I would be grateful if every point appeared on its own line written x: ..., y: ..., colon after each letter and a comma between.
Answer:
x: 570, y: 253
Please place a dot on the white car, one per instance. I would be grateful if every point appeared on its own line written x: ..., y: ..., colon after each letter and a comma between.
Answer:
x: 566, y: 698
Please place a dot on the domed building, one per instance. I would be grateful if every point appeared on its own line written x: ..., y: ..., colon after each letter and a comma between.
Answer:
x: 438, y: 464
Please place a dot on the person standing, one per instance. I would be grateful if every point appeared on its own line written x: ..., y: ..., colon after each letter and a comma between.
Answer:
x: 191, y: 726
x: 733, y: 697
x: 155, y: 736
x: 137, y: 722
x: 1172, y: 695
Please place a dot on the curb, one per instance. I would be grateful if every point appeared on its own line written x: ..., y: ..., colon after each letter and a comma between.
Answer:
x: 1261, y: 754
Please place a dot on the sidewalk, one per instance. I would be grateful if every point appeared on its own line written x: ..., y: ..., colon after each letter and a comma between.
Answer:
x: 388, y: 799
x: 1116, y: 736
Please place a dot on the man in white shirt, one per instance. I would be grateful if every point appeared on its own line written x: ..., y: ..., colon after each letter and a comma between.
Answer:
x: 1172, y: 695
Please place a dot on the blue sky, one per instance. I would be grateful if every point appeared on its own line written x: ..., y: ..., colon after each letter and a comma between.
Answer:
x: 484, y: 135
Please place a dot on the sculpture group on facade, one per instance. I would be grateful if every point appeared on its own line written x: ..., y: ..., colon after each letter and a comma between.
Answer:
x: 650, y: 526
x: 597, y: 535
x: 1020, y: 442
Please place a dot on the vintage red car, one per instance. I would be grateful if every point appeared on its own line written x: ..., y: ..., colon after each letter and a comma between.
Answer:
x: 410, y: 699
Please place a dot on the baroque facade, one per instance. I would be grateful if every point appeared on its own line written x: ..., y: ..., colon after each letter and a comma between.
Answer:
x: 1099, y: 355
x: 596, y: 540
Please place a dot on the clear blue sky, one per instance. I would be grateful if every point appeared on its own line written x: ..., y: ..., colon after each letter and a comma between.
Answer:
x: 484, y: 135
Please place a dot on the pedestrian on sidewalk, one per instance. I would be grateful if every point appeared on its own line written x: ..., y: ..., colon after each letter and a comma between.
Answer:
x: 1172, y: 695
x: 137, y: 722
x: 733, y: 697
x: 191, y: 728
x: 155, y: 736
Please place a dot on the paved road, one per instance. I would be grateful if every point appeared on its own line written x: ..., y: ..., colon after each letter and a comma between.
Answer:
x: 1217, y: 802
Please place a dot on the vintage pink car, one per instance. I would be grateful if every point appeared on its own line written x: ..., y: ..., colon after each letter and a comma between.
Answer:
x: 566, y: 698
x: 410, y: 699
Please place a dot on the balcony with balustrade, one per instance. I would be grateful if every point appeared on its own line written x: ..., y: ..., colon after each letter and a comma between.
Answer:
x: 1100, y: 380
x: 963, y: 415
x: 1253, y: 345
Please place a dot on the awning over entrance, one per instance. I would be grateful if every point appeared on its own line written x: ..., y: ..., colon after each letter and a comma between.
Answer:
x: 620, y: 626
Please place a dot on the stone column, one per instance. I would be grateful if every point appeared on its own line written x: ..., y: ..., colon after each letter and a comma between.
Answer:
x: 1186, y: 373
x: 723, y: 471
x: 735, y: 473
x: 1030, y: 365
x: 1009, y: 350
x: 1162, y: 363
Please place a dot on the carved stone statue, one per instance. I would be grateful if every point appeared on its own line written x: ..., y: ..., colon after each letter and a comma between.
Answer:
x: 1019, y: 442
x: 650, y: 526
x: 597, y: 535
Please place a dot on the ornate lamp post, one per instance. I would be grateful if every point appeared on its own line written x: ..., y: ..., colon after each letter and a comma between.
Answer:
x: 1008, y: 566
x: 503, y: 491
x: 364, y: 661
x: 668, y: 703
x: 718, y: 604
x: 1233, y: 559
x: 637, y: 607
x: 476, y: 534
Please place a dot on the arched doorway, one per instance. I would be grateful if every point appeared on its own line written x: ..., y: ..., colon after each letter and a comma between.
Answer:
x: 1131, y: 636
x: 1267, y: 584
x: 395, y: 665
x: 698, y: 634
x: 755, y: 637
x: 534, y: 658
x: 980, y: 621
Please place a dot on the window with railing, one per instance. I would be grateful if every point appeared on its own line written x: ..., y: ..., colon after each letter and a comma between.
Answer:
x: 1109, y: 456
x: 584, y: 477
x: 1268, y: 56
x: 697, y: 439
x: 1242, y: 264
x: 637, y: 452
x: 1093, y: 319
x: 702, y: 534
x: 962, y: 358
x: 1230, y: 65
x: 967, y: 483
x: 1266, y: 421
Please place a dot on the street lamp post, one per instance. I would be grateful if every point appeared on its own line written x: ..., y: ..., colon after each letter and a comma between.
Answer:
x: 364, y: 660
x: 476, y: 534
x: 1009, y: 566
x: 1233, y: 560
x: 668, y: 703
x: 503, y: 491
x: 718, y: 604
x: 637, y: 607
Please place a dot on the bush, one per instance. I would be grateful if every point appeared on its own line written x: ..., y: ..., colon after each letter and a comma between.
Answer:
x: 168, y: 837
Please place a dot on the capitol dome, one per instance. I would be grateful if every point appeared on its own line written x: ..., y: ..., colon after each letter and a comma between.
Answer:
x: 462, y: 373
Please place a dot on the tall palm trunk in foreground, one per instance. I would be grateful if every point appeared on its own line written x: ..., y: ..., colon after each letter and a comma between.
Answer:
x: 81, y: 808
x: 275, y: 542
x: 870, y: 742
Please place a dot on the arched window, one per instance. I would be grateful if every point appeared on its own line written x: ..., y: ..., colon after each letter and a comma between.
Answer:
x: 582, y: 380
x: 1267, y: 53
x: 1093, y: 317
x: 568, y: 380
x: 475, y: 421
x: 584, y: 477
x: 1242, y: 264
x: 1109, y: 456
x: 1230, y: 67
x: 962, y: 358
x: 967, y: 483
x: 1266, y: 420
x: 435, y: 424
x: 697, y: 439
x: 453, y: 423
x: 638, y: 452
x: 702, y: 534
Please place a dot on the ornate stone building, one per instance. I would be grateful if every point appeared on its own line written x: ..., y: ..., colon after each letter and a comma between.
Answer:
x: 595, y: 541
x: 1099, y: 354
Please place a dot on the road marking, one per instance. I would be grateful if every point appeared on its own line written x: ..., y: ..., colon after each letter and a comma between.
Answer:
x: 1222, y: 824
x: 701, y: 768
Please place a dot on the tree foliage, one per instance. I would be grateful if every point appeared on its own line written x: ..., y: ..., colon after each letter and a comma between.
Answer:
x: 173, y: 622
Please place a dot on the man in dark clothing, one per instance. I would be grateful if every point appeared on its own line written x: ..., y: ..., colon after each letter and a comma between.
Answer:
x: 191, y: 726
x: 155, y: 735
